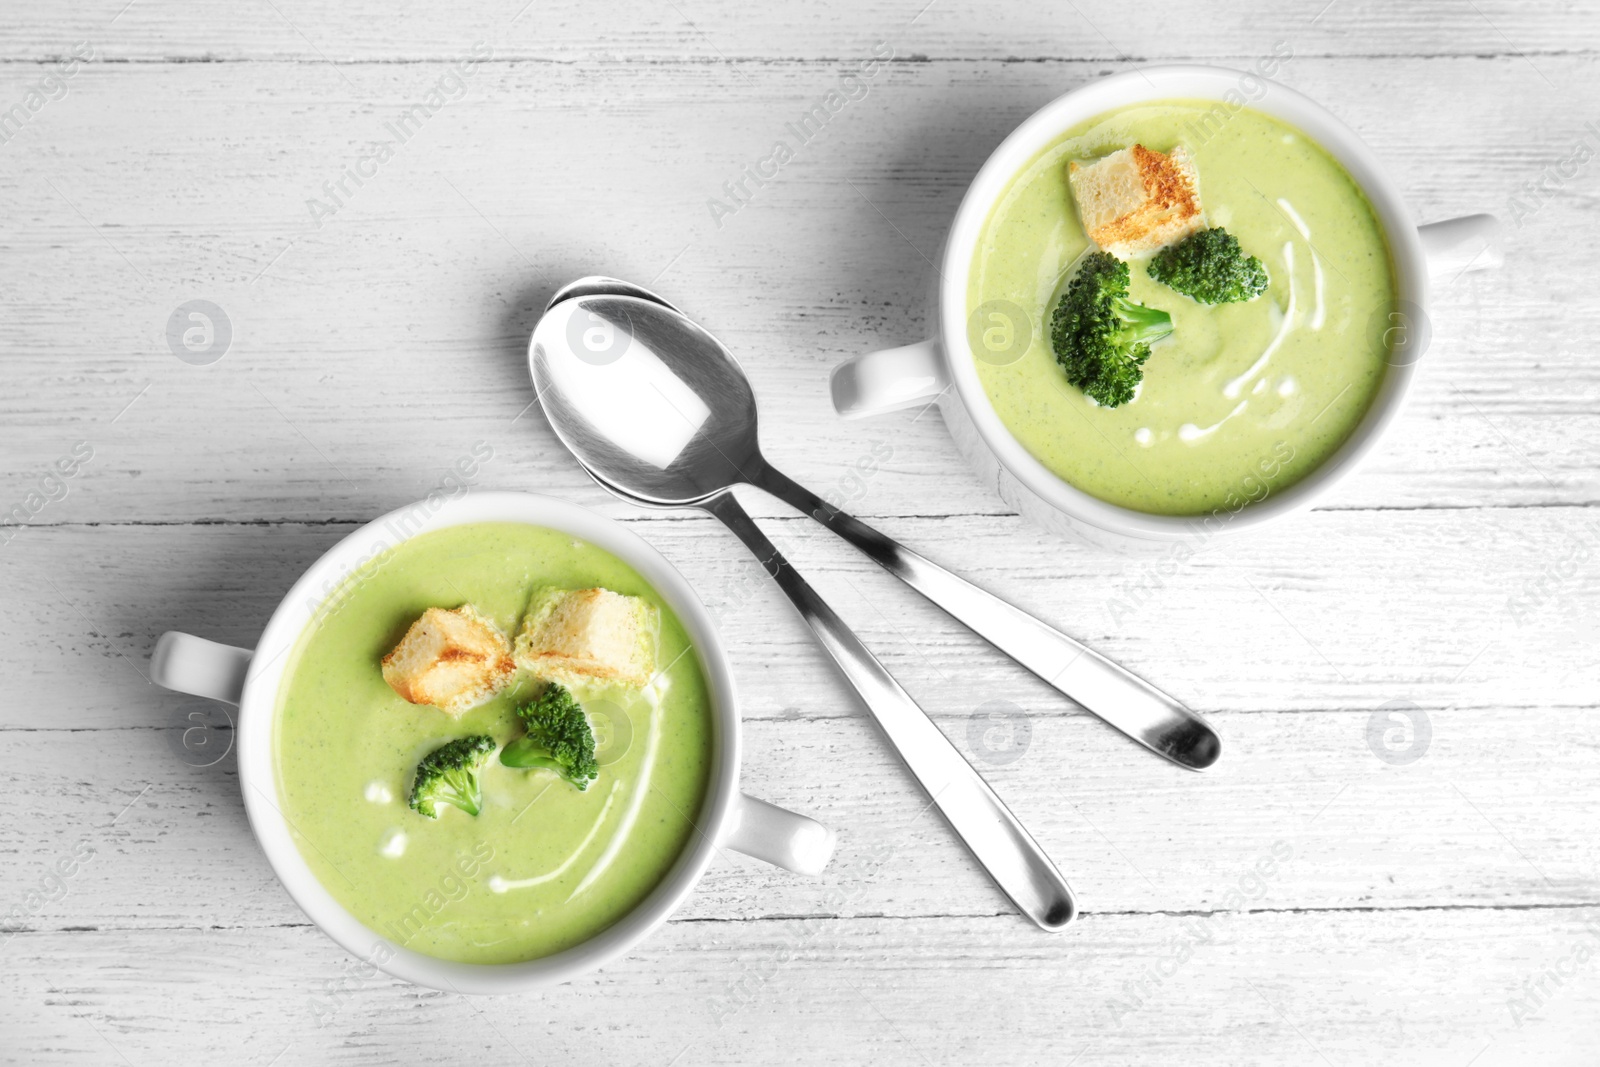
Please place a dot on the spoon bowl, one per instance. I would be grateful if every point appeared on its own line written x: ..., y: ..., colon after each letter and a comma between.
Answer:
x: 644, y: 397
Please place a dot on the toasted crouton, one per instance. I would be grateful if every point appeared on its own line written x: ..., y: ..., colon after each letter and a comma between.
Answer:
x: 1136, y: 201
x: 453, y: 660
x: 588, y: 635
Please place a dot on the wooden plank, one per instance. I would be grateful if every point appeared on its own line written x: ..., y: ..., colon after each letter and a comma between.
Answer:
x: 368, y: 353
x: 1494, y: 813
x: 1264, y: 988
x: 1314, y: 617
x: 717, y: 31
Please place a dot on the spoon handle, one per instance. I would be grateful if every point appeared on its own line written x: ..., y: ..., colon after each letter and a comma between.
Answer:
x: 980, y: 818
x: 1126, y: 701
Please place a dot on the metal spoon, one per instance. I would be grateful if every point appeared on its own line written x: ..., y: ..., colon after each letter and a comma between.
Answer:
x: 599, y: 386
x: 726, y: 453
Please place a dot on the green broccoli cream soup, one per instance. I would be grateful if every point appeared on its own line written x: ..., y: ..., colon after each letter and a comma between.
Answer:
x: 543, y: 866
x: 1242, y: 398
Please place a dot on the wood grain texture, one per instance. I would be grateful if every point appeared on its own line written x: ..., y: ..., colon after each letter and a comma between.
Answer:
x: 1132, y: 835
x: 1345, y: 987
x: 1317, y: 898
x: 1316, y: 620
x: 709, y: 32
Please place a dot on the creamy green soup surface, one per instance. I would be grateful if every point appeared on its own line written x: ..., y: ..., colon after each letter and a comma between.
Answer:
x: 1243, y: 398
x: 543, y: 866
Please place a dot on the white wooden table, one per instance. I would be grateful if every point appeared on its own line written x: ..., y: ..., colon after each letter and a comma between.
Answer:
x: 1319, y: 897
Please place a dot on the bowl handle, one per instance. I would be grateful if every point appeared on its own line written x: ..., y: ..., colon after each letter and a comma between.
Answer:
x: 1455, y: 246
x: 888, y: 380
x: 778, y: 836
x: 193, y: 665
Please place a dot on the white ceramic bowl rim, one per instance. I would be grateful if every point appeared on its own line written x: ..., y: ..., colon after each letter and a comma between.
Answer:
x: 1175, y: 82
x: 257, y: 708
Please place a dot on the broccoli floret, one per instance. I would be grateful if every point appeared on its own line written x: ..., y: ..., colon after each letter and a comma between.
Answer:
x: 1101, y: 338
x: 449, y: 775
x: 1210, y: 267
x: 559, y: 738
